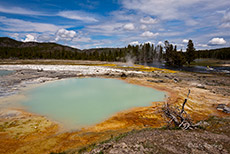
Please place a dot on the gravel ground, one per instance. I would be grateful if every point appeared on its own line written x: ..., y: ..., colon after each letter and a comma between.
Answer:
x: 213, y: 138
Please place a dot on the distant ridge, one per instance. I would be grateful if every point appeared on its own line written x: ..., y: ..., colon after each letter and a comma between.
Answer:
x: 8, y: 42
x: 10, y: 48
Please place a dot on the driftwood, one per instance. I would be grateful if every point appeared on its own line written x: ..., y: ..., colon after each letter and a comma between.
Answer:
x: 178, y: 117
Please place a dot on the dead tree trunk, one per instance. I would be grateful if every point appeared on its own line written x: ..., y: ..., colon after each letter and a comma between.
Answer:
x: 179, y: 117
x: 185, y: 101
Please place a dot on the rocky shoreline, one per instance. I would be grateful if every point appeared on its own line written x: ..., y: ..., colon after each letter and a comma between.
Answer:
x: 35, y: 74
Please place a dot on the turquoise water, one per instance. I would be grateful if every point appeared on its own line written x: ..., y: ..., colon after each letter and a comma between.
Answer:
x: 5, y: 72
x: 87, y: 101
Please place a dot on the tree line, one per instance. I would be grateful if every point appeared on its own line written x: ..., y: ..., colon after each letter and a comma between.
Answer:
x: 143, y: 53
x: 10, y: 48
x: 222, y: 53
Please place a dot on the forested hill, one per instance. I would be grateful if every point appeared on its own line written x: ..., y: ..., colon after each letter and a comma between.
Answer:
x: 10, y: 48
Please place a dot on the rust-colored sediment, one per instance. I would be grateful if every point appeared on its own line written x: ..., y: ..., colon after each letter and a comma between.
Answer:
x: 28, y: 133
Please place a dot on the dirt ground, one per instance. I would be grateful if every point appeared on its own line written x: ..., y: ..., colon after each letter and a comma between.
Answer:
x: 23, y: 132
x: 213, y: 138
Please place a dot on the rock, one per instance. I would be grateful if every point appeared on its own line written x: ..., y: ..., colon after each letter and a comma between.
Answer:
x: 123, y: 75
x: 155, y: 75
x: 115, y: 151
x: 192, y: 145
x: 208, y: 146
x: 156, y: 81
x: 40, y: 70
x: 169, y: 77
x: 202, y: 124
x: 219, y: 147
x: 106, y: 146
x: 123, y: 145
x: 224, y: 108
x: 200, y: 86
x: 94, y: 151
x: 131, y: 75
x: 175, y: 80
x: 195, y: 151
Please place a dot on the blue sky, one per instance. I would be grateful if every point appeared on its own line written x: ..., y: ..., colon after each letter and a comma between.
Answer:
x: 117, y: 23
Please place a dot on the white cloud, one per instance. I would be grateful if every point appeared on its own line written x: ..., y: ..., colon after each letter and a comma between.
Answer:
x: 149, y: 34
x: 69, y: 36
x: 166, y: 9
x: 226, y: 20
x: 217, y: 41
x: 107, y: 28
x: 45, y: 37
x: 176, y: 9
x: 160, y: 43
x: 191, y: 22
x: 171, y: 33
x: 14, y: 35
x: 202, y: 45
x: 148, y: 42
x: 65, y: 35
x: 148, y: 20
x: 134, y: 43
x: 81, y: 39
x: 122, y: 15
x: 225, y: 25
x: 78, y: 15
x: 76, y: 46
x: 143, y: 27
x: 89, y: 4
x: 19, y: 10
x: 17, y: 25
x: 185, y: 41
x: 129, y: 26
x: 30, y: 38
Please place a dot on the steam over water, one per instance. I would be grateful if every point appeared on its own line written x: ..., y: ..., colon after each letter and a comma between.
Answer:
x: 82, y: 102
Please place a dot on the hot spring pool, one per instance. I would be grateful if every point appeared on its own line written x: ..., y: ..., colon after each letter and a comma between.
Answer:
x: 82, y: 102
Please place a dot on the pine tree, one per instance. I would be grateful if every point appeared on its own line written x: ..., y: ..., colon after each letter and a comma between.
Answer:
x: 168, y: 53
x: 160, y: 52
x: 172, y: 56
x: 190, y: 52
